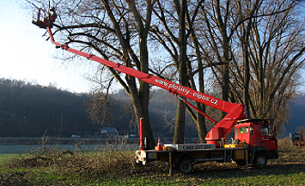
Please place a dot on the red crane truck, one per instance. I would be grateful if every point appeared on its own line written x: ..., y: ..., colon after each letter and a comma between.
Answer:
x: 254, y: 139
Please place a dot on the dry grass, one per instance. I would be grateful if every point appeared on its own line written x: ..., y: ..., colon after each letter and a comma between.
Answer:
x: 98, y: 164
x: 52, y: 166
x: 107, y: 161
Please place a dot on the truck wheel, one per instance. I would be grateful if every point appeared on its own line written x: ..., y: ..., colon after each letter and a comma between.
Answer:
x: 185, y: 166
x: 260, y: 161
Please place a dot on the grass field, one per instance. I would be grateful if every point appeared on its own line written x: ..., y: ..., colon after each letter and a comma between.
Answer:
x: 7, y: 157
x: 44, y: 167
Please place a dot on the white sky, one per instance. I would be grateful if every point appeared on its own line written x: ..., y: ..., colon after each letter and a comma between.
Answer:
x: 26, y: 55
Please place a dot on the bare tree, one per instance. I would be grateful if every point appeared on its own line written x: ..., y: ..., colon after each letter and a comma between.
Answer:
x: 267, y: 51
x: 181, y: 7
x: 261, y: 44
x: 216, y: 37
x: 275, y: 53
x: 116, y: 31
x: 192, y: 18
x: 176, y: 21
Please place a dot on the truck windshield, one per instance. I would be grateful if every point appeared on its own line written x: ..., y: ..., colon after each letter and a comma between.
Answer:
x: 241, y: 130
x: 266, y: 130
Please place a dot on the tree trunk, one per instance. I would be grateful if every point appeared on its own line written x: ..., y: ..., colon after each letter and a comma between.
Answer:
x: 180, y: 117
x: 143, y: 95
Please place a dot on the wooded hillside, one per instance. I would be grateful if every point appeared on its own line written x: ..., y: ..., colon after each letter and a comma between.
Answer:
x: 28, y: 109
x: 32, y: 110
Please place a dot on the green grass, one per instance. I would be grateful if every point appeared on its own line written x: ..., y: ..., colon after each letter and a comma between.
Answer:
x: 6, y: 157
x: 117, y: 168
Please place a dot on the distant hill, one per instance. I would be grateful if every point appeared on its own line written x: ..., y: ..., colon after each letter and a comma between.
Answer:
x: 31, y: 110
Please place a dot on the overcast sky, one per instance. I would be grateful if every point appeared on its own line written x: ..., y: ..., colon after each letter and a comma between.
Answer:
x: 26, y: 55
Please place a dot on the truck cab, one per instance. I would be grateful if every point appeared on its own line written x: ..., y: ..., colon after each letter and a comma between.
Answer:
x: 259, y: 135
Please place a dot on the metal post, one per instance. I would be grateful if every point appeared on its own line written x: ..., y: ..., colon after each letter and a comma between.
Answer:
x: 141, y: 135
x: 170, y: 162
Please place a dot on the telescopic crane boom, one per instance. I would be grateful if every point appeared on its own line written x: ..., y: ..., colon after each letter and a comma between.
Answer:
x: 220, y: 130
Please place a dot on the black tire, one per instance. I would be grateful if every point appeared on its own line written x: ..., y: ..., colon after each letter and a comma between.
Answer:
x: 241, y: 162
x: 260, y: 161
x: 185, y: 166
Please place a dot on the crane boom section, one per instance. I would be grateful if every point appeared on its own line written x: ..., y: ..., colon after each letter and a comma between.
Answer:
x: 172, y: 87
x: 220, y: 130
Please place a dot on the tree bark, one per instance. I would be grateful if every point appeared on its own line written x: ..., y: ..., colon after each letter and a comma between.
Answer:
x: 180, y: 117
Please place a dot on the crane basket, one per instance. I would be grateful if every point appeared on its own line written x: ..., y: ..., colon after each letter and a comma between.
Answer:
x: 42, y: 19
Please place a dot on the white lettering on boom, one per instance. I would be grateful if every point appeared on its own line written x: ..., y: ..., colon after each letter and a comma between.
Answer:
x: 186, y: 91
